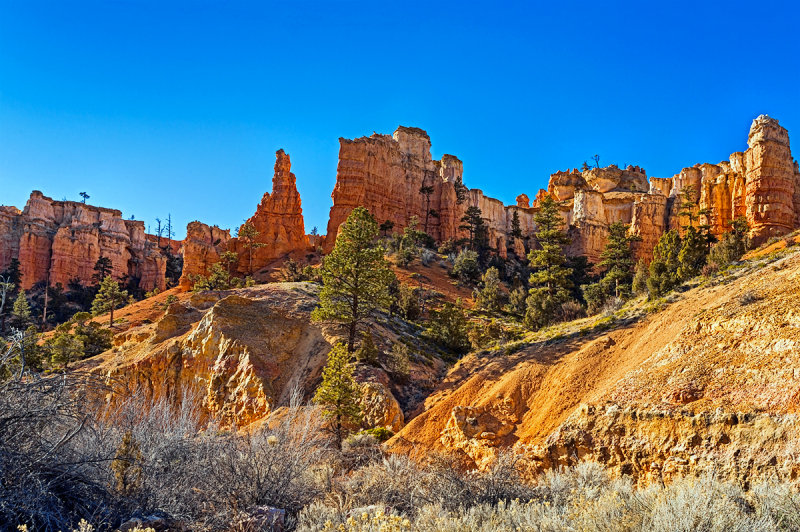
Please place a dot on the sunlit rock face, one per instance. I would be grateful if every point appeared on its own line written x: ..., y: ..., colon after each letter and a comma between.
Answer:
x: 201, y: 249
x: 278, y: 220
x: 61, y: 241
x: 386, y: 173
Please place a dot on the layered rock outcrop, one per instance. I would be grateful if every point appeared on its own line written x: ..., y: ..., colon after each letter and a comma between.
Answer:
x: 707, y: 385
x: 278, y: 220
x: 387, y: 174
x: 58, y: 241
x: 201, y: 249
x: 243, y: 353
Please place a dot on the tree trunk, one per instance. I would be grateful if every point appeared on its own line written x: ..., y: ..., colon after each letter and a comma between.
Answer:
x: 351, y: 338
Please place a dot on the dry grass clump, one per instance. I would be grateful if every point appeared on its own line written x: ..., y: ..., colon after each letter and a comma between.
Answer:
x: 64, y: 467
x: 583, y: 498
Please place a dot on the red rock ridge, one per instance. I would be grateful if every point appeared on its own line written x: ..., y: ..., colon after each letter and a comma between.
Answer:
x: 57, y: 241
x: 385, y: 174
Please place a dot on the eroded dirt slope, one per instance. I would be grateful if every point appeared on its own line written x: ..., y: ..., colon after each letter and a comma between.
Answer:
x: 711, y: 382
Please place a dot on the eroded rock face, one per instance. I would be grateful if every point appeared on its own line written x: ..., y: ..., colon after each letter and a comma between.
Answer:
x: 386, y: 173
x: 278, y: 220
x: 201, y: 248
x: 242, y: 353
x: 57, y: 241
x: 653, y: 445
x: 707, y: 385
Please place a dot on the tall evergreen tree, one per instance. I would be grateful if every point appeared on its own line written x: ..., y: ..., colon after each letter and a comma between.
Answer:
x: 617, y: 259
x: 427, y: 191
x: 490, y: 296
x: 549, y: 283
x: 693, y: 253
x: 21, y: 311
x: 109, y: 297
x: 355, y: 276
x: 516, y: 229
x: 339, y: 393
x: 12, y: 274
x: 733, y: 244
x: 664, y: 266
x: 102, y: 268
x: 64, y: 348
x: 475, y: 225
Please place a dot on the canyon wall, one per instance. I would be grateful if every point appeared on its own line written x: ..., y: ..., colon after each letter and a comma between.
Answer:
x: 386, y: 174
x: 397, y: 179
x: 57, y: 241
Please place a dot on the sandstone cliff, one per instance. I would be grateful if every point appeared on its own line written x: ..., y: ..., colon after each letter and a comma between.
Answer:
x: 386, y: 173
x: 201, y: 248
x: 244, y: 352
x: 57, y: 241
x: 278, y: 220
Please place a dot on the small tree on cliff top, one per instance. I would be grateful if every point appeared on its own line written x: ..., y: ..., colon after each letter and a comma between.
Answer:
x: 108, y: 298
x: 355, y: 276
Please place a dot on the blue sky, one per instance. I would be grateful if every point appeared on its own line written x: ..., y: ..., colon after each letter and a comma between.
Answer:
x: 178, y: 107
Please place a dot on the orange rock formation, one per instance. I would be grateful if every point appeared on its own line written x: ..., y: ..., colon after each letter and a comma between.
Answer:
x: 278, y: 220
x: 57, y: 241
x: 385, y: 174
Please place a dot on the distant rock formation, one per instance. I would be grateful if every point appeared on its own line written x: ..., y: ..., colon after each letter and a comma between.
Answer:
x: 201, y: 249
x: 278, y: 220
x: 58, y: 241
x: 385, y: 174
x: 397, y: 180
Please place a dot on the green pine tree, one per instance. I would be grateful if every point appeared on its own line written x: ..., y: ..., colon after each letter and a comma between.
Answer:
x: 21, y: 311
x: 65, y: 348
x: 109, y: 298
x: 664, y: 266
x: 475, y: 225
x: 549, y: 282
x: 490, y: 296
x: 639, y: 285
x: 693, y: 253
x: 103, y: 268
x: 339, y: 394
x: 355, y: 276
x: 448, y: 327
x: 248, y: 234
x: 733, y: 244
x: 516, y: 230
x: 617, y: 259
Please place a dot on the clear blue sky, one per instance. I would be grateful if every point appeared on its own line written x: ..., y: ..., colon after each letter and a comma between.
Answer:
x: 166, y: 106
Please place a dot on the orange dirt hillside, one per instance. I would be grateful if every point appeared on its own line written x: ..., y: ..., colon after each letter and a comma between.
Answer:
x: 662, y: 395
